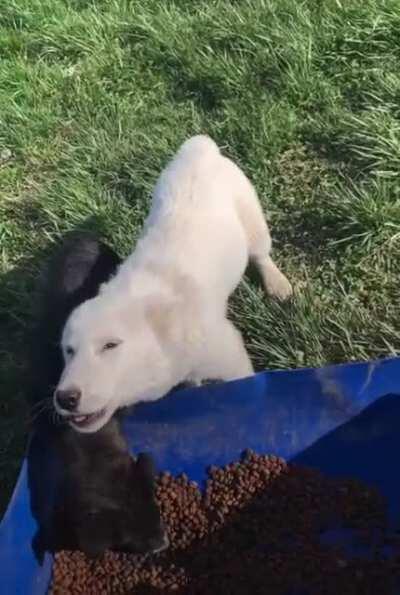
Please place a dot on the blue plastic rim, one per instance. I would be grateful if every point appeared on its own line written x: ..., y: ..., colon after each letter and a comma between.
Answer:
x: 343, y: 420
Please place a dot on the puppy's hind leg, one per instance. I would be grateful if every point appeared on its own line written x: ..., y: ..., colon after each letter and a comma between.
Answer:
x: 226, y: 358
x: 259, y: 243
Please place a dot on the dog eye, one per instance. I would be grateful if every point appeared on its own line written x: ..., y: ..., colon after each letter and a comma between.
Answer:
x: 110, y: 345
x: 69, y: 351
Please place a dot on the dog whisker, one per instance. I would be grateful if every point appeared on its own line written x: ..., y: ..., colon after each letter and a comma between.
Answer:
x: 33, y: 418
x: 56, y: 418
x: 40, y: 408
x: 40, y: 404
x: 38, y: 411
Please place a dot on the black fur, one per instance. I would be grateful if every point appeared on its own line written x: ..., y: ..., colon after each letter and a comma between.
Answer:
x: 72, y: 276
x: 105, y: 499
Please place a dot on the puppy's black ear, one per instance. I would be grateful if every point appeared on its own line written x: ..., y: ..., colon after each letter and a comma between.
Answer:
x: 78, y: 268
x: 73, y: 275
x: 163, y: 318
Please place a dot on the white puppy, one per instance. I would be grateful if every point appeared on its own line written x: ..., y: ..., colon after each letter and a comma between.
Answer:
x: 162, y: 319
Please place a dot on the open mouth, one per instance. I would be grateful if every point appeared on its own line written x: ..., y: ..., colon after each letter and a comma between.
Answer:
x: 82, y: 421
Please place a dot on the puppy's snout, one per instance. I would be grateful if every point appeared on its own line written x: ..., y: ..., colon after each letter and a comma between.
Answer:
x: 68, y: 399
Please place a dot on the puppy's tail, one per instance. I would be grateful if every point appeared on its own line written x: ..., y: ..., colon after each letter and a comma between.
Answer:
x: 194, y: 158
x: 199, y: 145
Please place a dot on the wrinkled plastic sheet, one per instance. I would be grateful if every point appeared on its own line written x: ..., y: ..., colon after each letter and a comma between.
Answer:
x: 343, y: 420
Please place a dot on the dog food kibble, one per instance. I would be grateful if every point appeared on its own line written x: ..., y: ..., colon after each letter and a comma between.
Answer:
x: 260, y: 526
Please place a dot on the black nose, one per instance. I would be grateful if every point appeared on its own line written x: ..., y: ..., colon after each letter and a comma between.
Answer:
x: 68, y: 399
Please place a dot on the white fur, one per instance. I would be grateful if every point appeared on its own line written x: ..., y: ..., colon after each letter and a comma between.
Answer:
x: 167, y: 303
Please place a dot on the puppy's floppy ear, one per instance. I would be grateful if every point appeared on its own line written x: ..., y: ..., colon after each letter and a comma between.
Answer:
x: 177, y: 319
x: 163, y: 318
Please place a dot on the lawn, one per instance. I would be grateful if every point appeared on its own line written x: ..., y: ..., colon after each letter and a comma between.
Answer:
x: 96, y: 96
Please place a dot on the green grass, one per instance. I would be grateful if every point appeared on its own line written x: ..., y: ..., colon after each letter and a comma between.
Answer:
x: 95, y: 96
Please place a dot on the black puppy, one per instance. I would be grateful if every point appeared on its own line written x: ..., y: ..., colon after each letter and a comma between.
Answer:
x: 104, y: 499
x: 73, y: 275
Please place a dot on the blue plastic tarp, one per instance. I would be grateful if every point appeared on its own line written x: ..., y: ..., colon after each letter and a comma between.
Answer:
x: 343, y: 420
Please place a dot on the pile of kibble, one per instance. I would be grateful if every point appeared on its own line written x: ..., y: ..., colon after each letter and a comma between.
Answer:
x: 255, y: 529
